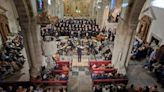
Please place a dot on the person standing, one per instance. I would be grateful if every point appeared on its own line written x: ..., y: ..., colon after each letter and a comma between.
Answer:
x: 79, y: 53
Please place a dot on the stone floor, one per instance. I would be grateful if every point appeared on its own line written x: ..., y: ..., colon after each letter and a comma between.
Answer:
x: 79, y: 77
x: 84, y: 62
x: 139, y: 76
x: 79, y: 80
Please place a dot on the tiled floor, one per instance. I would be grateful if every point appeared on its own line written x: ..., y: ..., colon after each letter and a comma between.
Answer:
x: 80, y: 80
x: 83, y: 63
x: 79, y: 77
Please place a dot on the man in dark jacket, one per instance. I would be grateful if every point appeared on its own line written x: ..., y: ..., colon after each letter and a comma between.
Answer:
x: 79, y: 53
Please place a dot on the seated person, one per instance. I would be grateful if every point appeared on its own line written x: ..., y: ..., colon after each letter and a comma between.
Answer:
x: 159, y: 72
x: 102, y: 76
x: 63, y: 77
x: 102, y: 66
x: 65, y: 68
x: 56, y: 57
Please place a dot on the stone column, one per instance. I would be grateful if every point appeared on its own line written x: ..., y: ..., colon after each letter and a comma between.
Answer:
x: 28, y: 43
x: 125, y: 34
x: 92, y: 9
x: 121, y: 40
x: 33, y: 47
x: 31, y: 35
x: 60, y: 8
x: 100, y: 11
x: 99, y: 15
x: 36, y: 40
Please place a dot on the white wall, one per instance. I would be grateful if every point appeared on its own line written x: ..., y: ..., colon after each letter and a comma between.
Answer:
x: 11, y: 14
x: 157, y: 26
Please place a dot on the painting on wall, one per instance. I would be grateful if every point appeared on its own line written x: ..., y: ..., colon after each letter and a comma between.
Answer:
x: 144, y: 25
x: 76, y: 8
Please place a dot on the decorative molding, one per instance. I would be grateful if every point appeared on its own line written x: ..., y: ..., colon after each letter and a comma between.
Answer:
x: 3, y: 19
x: 151, y: 11
x: 153, y: 14
x: 3, y: 9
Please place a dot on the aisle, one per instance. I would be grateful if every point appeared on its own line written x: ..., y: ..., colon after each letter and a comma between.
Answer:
x: 79, y: 77
x: 84, y: 62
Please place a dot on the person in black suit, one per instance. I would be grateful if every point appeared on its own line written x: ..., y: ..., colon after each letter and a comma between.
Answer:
x: 79, y: 53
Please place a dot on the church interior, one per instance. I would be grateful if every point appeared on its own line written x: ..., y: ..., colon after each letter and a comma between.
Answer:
x: 81, y: 46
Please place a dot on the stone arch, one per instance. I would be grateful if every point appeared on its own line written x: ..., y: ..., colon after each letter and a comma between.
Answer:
x: 144, y: 24
x: 27, y: 22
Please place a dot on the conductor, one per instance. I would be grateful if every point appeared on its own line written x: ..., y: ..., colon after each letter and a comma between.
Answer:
x: 79, y: 53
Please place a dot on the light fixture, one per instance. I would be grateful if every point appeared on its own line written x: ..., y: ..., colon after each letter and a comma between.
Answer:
x: 49, y: 2
x: 77, y: 10
x: 124, y: 5
x: 158, y: 3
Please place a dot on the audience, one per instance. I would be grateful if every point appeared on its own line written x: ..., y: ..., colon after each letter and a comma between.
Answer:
x: 49, y: 75
x: 101, y: 87
x: 102, y: 66
x: 154, y: 63
x: 30, y: 87
x: 154, y: 59
x: 96, y: 76
x: 109, y: 88
x: 139, y: 50
x: 11, y: 58
x: 131, y: 88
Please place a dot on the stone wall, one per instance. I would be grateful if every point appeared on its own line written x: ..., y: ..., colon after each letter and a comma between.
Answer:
x: 124, y: 35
